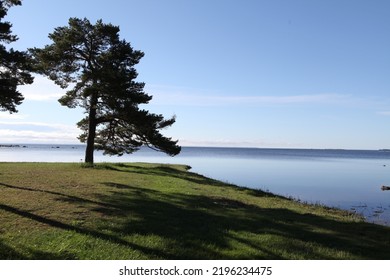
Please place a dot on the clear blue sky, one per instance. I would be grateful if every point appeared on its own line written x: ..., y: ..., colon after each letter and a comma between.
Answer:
x: 258, y: 73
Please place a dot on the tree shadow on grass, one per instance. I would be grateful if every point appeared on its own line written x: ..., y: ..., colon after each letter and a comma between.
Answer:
x: 59, y: 196
x: 206, y: 227
x: 167, y: 171
x: 201, y: 227
x: 89, y: 232
x: 9, y: 253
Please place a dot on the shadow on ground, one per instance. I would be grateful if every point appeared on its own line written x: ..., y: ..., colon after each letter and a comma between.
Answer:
x: 204, y: 227
x: 192, y: 220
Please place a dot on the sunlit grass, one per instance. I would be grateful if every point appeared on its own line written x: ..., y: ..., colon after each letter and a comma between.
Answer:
x: 153, y: 211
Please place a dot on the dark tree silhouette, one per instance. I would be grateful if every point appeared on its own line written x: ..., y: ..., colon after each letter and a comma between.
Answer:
x: 100, y: 69
x: 14, y: 66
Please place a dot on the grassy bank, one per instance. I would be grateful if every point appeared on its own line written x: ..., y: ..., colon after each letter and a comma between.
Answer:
x: 151, y: 211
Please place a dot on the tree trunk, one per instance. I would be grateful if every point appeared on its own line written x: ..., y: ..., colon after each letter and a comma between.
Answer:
x: 91, y: 130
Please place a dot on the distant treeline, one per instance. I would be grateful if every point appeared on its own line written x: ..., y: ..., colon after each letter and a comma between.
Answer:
x: 11, y: 146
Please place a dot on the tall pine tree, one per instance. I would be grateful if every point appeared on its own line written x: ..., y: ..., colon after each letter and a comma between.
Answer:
x: 99, y: 68
x: 14, y: 66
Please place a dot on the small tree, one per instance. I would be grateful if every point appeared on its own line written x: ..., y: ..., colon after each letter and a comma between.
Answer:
x: 14, y: 68
x: 100, y: 68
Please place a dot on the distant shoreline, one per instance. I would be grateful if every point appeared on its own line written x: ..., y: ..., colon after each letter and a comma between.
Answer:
x: 26, y: 145
x: 12, y: 146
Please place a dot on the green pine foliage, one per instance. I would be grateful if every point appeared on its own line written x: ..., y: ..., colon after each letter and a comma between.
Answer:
x: 99, y: 68
x: 14, y: 65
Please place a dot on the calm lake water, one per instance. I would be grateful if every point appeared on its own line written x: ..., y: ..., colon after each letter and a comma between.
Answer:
x: 348, y: 179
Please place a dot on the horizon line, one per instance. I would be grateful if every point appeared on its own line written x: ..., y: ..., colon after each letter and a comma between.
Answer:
x: 10, y: 144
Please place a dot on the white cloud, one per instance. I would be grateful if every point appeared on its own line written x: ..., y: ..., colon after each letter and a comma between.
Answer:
x: 8, y: 116
x: 258, y: 143
x: 42, y: 89
x: 57, y: 126
x: 37, y: 132
x: 29, y: 136
x: 163, y: 95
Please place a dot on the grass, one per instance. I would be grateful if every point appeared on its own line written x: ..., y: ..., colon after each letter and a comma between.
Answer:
x: 153, y: 211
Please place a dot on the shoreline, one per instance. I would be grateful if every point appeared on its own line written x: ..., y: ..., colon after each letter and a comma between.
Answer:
x: 382, y: 150
x: 370, y: 212
x: 345, y: 179
x: 163, y: 211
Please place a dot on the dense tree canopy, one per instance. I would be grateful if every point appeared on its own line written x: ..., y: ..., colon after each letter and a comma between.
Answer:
x: 99, y: 68
x: 14, y: 68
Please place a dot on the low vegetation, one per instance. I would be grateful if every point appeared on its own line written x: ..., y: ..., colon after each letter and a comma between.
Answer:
x: 153, y: 211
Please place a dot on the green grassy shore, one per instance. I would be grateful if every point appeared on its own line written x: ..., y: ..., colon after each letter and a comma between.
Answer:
x: 153, y: 211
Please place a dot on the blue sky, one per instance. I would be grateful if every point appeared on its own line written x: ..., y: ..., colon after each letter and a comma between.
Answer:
x: 261, y: 73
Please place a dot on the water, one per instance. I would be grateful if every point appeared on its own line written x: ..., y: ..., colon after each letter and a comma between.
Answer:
x: 348, y: 179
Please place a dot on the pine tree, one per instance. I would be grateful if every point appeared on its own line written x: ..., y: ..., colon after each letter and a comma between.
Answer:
x: 14, y: 66
x: 100, y: 69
